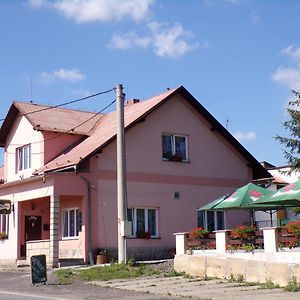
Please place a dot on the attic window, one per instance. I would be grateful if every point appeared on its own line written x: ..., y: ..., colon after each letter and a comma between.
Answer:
x: 174, y: 147
x: 23, y: 158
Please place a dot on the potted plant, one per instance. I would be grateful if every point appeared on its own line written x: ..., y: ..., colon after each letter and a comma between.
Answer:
x: 176, y: 157
x: 102, y: 256
x: 3, y: 236
x: 141, y: 234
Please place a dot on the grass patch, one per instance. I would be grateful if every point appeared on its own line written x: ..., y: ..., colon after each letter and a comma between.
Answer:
x: 114, y: 271
x: 269, y: 285
x: 293, y: 285
x: 65, y: 276
x: 238, y: 278
x: 174, y: 273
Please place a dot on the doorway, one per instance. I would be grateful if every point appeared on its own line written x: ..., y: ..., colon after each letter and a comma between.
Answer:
x: 33, y: 228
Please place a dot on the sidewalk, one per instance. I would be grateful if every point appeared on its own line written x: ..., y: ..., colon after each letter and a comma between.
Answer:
x: 198, y: 289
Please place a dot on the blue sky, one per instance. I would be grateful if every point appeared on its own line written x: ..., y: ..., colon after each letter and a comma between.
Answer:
x: 239, y: 58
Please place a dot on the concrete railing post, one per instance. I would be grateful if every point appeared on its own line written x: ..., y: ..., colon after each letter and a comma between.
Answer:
x: 222, y: 238
x: 181, y: 242
x: 270, y: 239
x: 54, y: 232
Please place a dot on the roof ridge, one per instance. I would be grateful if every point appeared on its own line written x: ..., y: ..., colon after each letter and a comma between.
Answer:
x: 52, y: 106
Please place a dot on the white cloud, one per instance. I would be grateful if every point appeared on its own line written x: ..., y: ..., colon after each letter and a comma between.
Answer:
x: 240, y: 136
x: 84, y: 11
x: 291, y: 52
x: 37, y: 3
x: 170, y: 41
x: 165, y: 39
x: 129, y: 40
x: 255, y: 18
x: 72, y: 75
x: 289, y: 77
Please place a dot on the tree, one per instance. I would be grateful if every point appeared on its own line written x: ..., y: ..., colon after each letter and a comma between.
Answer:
x: 292, y: 143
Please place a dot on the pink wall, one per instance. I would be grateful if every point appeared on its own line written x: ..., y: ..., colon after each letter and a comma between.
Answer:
x: 215, y: 169
x: 55, y: 143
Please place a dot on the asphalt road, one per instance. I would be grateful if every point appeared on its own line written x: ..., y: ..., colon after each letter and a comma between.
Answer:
x: 16, y: 285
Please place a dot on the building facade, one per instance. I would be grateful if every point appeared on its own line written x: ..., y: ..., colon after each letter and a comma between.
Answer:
x: 60, y: 174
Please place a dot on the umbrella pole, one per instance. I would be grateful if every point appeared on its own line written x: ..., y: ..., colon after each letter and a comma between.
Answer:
x: 271, y: 218
x: 251, y: 217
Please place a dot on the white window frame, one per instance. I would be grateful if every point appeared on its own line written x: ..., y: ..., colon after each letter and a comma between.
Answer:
x: 76, y: 223
x: 173, y: 141
x: 4, y: 224
x: 134, y: 220
x: 23, y: 158
x: 215, y: 218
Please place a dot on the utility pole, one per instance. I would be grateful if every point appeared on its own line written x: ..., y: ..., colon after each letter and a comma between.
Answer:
x: 121, y: 174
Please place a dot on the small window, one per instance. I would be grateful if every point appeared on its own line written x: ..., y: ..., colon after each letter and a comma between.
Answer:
x: 71, y: 223
x: 211, y: 220
x: 23, y: 158
x: 174, y: 147
x: 144, y: 222
x: 4, y: 224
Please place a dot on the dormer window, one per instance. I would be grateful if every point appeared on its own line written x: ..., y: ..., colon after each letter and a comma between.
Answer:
x: 174, y: 147
x: 23, y: 157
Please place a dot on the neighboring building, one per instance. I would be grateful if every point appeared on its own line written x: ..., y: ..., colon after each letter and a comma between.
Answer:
x: 60, y: 174
x: 281, y: 176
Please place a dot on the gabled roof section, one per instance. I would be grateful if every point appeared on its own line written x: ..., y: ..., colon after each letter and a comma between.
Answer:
x: 50, y: 118
x: 106, y: 130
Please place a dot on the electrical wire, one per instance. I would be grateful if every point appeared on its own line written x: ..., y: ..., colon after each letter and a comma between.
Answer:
x: 65, y: 103
x: 70, y: 130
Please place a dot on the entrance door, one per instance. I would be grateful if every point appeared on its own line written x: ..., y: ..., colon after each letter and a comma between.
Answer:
x: 33, y: 228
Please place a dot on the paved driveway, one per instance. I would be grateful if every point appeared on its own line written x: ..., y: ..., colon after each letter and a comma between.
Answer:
x: 198, y: 289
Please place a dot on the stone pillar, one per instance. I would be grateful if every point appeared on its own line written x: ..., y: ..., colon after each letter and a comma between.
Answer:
x: 54, y: 232
x: 221, y: 240
x: 270, y: 239
x: 181, y: 243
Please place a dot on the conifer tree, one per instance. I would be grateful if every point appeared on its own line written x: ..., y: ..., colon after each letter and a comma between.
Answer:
x: 292, y: 142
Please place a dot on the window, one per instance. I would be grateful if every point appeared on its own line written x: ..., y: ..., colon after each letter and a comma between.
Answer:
x: 144, y: 220
x: 23, y: 158
x: 71, y: 223
x: 211, y: 219
x: 4, y: 222
x: 174, y: 147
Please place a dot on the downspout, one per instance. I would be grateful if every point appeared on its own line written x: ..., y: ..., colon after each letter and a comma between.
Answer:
x: 89, y: 235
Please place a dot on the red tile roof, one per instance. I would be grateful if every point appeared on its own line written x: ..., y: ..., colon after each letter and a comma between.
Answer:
x: 104, y: 132
x: 49, y: 118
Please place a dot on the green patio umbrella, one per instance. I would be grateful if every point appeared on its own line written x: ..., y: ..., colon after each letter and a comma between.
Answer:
x: 248, y: 197
x: 244, y: 197
x: 212, y: 204
x: 288, y: 196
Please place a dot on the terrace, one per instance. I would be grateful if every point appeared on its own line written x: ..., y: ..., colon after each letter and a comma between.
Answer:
x: 269, y: 254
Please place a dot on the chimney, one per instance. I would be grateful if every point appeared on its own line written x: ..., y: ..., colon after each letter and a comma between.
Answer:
x: 132, y: 101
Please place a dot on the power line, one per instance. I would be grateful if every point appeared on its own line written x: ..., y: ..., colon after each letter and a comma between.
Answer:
x: 70, y: 130
x: 65, y: 103
x: 96, y: 114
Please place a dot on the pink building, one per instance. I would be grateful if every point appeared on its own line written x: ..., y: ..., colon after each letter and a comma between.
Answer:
x: 60, y: 174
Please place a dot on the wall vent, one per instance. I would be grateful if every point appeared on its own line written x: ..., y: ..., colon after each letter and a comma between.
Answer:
x: 176, y: 195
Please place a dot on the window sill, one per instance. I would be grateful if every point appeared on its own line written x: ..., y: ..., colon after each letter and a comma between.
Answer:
x: 135, y: 238
x: 173, y: 160
x: 70, y: 238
